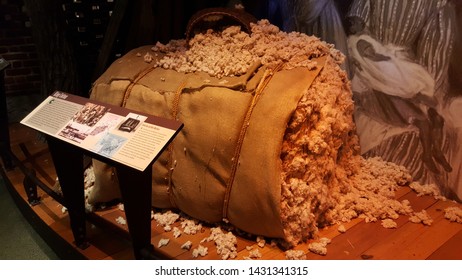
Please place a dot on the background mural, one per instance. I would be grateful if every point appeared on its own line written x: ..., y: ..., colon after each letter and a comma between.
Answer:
x: 404, y: 61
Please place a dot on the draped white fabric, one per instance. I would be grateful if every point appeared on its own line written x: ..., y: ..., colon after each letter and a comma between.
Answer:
x: 424, y: 31
x: 397, y: 75
x: 425, y: 27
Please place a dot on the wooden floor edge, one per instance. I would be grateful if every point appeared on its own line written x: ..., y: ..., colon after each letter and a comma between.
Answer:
x: 109, y: 244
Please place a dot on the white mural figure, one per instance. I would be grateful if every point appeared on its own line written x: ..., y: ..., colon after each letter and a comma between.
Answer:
x: 400, y: 51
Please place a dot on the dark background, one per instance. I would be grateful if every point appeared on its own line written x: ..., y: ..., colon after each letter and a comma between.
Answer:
x: 58, y: 44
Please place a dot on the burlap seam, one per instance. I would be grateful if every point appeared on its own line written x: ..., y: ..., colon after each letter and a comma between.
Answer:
x: 175, y: 108
x: 269, y: 73
x: 135, y: 81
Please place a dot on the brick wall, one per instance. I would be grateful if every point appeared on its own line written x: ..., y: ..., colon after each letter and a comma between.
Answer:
x: 22, y: 77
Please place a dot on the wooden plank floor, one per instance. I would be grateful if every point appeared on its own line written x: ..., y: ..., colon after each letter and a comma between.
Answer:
x: 441, y: 240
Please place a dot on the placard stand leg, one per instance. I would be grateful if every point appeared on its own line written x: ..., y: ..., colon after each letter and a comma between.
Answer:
x: 68, y: 162
x: 135, y: 188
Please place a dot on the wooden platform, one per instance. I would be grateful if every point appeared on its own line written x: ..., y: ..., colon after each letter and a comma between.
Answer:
x: 109, y: 239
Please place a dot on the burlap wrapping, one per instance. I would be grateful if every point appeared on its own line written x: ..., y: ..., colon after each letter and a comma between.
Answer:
x: 225, y: 163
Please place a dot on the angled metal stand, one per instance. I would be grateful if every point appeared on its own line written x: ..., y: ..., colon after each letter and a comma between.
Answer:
x: 135, y: 178
x: 135, y: 187
x: 68, y: 161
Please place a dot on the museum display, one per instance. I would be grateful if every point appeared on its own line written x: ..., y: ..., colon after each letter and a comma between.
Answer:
x: 269, y: 143
x: 319, y: 124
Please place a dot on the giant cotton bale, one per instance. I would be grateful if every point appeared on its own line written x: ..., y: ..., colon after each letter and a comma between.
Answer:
x: 268, y: 133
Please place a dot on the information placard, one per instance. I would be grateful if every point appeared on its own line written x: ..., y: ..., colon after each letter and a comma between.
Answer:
x: 128, y: 137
